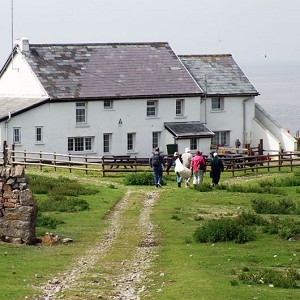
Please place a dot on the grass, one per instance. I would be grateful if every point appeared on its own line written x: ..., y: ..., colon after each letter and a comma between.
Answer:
x: 183, y: 269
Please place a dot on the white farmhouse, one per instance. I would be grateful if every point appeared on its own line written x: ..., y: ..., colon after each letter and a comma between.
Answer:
x: 121, y: 98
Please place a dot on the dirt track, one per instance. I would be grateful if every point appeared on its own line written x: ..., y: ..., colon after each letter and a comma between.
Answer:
x: 131, y: 276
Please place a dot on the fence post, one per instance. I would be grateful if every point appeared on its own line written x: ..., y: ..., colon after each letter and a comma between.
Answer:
x: 25, y: 158
x: 86, y: 165
x: 54, y: 161
x: 4, y: 154
x: 103, y: 166
x: 41, y: 156
x: 70, y: 165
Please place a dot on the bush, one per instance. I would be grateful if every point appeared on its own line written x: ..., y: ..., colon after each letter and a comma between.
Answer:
x: 62, y: 204
x: 219, y: 230
x: 48, y: 222
x: 250, y: 219
x: 281, y: 181
x: 282, y: 279
x: 204, y: 187
x: 285, y: 228
x: 266, y: 206
x: 237, y: 188
x: 61, y: 185
x: 145, y: 178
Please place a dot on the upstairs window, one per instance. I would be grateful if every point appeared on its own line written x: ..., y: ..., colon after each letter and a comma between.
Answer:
x: 179, y: 107
x: 80, y: 112
x: 17, y: 135
x: 151, y: 108
x: 39, y: 134
x: 217, y: 103
x: 108, y: 104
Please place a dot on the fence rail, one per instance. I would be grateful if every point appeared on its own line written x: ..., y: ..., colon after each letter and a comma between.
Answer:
x: 125, y: 163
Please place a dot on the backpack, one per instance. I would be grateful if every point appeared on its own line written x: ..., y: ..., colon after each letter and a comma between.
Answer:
x: 202, y: 165
x: 156, y: 160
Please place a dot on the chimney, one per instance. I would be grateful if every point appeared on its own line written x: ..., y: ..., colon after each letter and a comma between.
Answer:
x: 23, y: 44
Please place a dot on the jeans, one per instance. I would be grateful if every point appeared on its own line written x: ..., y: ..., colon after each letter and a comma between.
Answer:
x: 157, y: 172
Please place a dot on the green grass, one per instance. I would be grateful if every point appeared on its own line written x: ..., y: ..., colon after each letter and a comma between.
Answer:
x: 183, y: 268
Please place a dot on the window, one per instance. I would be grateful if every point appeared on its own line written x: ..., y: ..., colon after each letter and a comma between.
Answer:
x: 179, y: 107
x: 38, y: 134
x: 17, y: 135
x: 106, y: 142
x: 155, y: 139
x: 193, y: 144
x: 108, y: 104
x: 80, y: 112
x: 79, y: 144
x: 130, y: 141
x: 217, y: 103
x: 221, y: 138
x: 151, y: 108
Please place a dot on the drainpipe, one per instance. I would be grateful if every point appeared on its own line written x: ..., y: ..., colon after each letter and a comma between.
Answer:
x: 244, y: 118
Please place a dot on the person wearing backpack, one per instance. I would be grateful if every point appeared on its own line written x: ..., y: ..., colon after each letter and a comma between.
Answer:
x: 156, y: 162
x: 198, y: 167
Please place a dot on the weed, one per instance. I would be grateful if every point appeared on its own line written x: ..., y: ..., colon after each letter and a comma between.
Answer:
x: 48, y: 222
x: 204, y: 187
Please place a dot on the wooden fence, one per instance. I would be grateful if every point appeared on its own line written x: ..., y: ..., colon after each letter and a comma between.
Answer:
x: 125, y: 163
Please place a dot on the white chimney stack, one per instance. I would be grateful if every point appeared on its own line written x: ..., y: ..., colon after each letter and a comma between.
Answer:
x: 23, y: 44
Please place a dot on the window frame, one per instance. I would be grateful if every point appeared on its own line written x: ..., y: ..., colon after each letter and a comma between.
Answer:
x: 39, y: 135
x: 193, y: 143
x: 221, y: 138
x: 17, y: 135
x: 80, y: 144
x: 108, y: 104
x: 155, y: 139
x: 217, y: 103
x: 81, y: 112
x: 106, y: 138
x: 179, y: 107
x: 152, y: 108
x: 131, y: 141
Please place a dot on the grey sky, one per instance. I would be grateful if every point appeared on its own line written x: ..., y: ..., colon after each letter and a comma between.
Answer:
x: 248, y: 29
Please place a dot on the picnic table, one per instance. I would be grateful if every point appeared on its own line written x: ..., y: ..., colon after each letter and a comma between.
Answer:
x: 120, y: 160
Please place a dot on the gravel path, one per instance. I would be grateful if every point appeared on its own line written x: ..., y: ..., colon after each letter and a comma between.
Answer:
x: 132, y: 273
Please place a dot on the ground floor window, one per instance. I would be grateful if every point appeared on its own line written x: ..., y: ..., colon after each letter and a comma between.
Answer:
x: 106, y: 142
x: 155, y: 139
x: 221, y: 138
x: 80, y: 144
x: 130, y: 141
x: 193, y: 144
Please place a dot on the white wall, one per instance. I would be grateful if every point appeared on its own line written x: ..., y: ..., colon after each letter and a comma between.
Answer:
x: 58, y: 122
x: 237, y: 117
x: 285, y: 140
x: 19, y: 81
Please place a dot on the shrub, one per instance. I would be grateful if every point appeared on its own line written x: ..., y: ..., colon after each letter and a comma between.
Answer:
x: 237, y: 188
x: 283, y: 279
x: 266, y: 206
x: 62, y: 204
x: 204, y: 187
x: 285, y: 228
x: 250, y: 219
x: 145, y: 178
x: 48, y: 222
x: 281, y: 181
x: 61, y: 185
x: 219, y: 230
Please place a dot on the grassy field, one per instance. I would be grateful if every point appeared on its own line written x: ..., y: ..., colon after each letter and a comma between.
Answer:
x: 183, y: 268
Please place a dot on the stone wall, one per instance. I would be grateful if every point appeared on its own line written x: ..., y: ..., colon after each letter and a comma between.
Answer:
x: 18, y: 209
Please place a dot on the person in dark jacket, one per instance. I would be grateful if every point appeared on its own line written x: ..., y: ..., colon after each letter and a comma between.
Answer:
x: 156, y: 162
x: 217, y: 167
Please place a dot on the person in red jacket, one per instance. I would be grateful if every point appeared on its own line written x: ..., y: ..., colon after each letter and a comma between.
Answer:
x: 198, y: 167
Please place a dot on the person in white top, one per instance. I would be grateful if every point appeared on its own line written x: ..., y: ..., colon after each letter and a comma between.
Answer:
x: 186, y: 161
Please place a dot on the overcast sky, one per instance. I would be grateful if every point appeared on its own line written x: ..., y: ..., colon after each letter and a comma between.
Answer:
x: 248, y: 29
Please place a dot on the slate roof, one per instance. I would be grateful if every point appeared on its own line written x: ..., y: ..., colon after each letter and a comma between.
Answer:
x: 184, y: 130
x: 218, y: 75
x: 13, y: 105
x: 114, y: 71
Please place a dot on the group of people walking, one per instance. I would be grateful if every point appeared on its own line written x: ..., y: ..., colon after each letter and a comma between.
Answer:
x: 186, y: 167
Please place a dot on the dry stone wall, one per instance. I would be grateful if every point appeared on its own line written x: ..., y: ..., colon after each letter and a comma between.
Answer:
x: 18, y: 209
